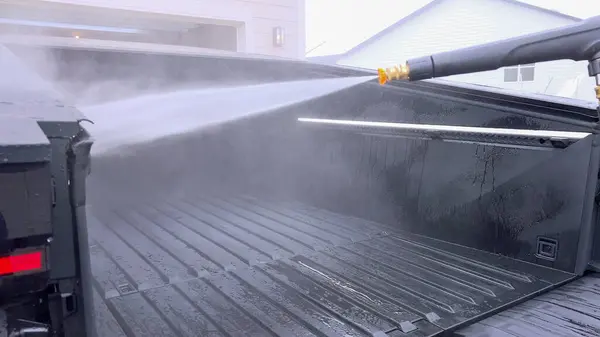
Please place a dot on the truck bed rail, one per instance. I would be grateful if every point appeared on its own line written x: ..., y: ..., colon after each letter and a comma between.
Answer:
x: 543, y: 139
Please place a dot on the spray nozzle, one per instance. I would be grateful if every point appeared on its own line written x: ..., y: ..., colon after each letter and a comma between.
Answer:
x: 400, y: 72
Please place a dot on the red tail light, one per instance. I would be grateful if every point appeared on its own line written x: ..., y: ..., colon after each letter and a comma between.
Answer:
x: 21, y: 263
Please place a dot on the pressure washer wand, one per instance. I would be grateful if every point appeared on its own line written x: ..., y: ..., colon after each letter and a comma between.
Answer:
x: 578, y: 42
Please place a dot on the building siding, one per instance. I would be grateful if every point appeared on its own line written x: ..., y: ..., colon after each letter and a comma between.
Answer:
x: 255, y: 19
x: 456, y: 24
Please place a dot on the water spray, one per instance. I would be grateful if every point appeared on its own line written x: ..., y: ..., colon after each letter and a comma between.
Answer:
x: 148, y: 118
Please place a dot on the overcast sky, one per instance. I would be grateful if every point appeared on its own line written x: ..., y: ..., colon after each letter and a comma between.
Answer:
x: 338, y: 25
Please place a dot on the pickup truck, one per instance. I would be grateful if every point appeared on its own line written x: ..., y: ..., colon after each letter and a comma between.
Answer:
x: 265, y: 226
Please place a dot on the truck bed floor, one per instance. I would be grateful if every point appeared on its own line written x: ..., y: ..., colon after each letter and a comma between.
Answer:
x: 244, y: 267
x: 572, y: 310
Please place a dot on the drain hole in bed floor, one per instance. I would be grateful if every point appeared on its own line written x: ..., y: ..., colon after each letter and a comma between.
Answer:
x: 125, y: 289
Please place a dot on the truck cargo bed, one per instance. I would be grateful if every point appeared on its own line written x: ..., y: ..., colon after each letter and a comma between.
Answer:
x: 207, y: 266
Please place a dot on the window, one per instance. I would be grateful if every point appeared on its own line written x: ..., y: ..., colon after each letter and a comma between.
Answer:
x: 511, y: 74
x: 520, y: 73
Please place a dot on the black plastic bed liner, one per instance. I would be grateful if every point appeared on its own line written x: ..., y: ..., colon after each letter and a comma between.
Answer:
x: 242, y: 267
x: 572, y: 310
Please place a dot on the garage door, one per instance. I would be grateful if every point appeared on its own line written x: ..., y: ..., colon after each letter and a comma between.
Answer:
x: 116, y: 25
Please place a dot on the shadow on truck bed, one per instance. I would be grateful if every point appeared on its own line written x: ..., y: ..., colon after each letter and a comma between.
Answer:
x: 265, y: 227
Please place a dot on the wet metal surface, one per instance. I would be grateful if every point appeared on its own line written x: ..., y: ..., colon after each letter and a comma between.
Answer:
x: 571, y: 310
x: 243, y: 267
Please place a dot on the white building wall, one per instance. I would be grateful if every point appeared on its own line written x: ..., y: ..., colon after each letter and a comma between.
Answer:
x: 255, y: 19
x: 455, y: 24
